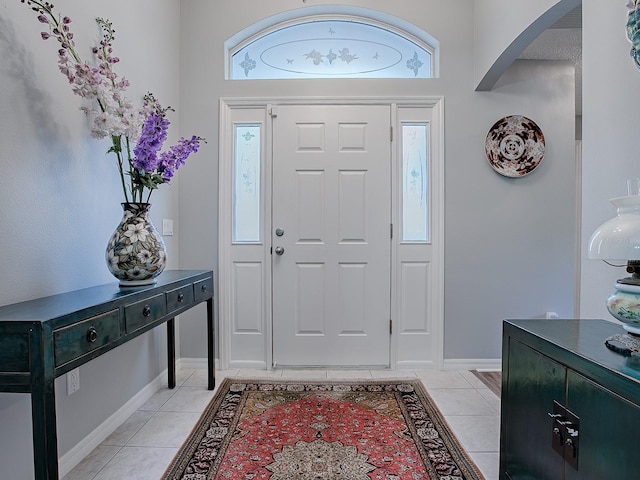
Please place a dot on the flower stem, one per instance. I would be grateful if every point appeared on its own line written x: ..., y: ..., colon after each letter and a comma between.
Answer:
x: 117, y: 148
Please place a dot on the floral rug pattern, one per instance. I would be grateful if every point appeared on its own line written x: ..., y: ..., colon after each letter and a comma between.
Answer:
x: 321, y: 431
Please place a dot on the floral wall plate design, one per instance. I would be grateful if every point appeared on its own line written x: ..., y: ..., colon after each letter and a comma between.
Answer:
x: 514, y: 146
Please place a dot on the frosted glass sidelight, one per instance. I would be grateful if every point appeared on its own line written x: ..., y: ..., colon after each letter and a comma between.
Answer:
x: 332, y: 49
x: 246, y: 194
x: 415, y: 182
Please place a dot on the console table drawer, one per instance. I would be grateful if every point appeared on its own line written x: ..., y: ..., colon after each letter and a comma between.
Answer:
x: 75, y: 340
x: 179, y: 298
x: 139, y: 314
x: 203, y: 289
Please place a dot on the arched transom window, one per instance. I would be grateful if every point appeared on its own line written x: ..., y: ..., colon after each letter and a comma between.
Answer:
x: 331, y: 47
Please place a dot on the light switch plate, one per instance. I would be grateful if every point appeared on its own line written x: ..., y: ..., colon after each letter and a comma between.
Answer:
x: 167, y: 227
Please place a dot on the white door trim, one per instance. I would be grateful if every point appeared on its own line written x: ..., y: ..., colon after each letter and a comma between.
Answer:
x: 262, y: 108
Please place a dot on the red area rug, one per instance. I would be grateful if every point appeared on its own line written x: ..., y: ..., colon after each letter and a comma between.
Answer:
x: 288, y: 430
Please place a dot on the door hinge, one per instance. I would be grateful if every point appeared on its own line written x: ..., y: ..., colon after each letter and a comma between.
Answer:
x: 391, y: 230
x: 390, y: 327
x: 391, y: 133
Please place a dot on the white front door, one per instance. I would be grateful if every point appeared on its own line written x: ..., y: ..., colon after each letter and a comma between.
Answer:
x: 331, y: 217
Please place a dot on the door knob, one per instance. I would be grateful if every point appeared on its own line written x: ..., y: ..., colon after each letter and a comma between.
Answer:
x: 279, y: 250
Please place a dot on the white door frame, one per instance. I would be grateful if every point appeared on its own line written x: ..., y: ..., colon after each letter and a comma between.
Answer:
x: 257, y: 331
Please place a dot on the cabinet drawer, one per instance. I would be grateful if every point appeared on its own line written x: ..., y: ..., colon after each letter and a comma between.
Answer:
x: 75, y: 340
x: 139, y: 314
x: 203, y: 289
x: 179, y: 298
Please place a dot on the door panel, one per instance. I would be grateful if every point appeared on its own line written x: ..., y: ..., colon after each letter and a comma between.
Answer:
x: 332, y: 199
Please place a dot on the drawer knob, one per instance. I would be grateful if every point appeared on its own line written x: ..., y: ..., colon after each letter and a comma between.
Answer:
x: 180, y: 297
x: 92, y: 335
x: 203, y: 288
x: 146, y: 311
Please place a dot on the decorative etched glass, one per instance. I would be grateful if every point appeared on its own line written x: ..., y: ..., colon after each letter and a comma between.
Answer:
x: 415, y: 182
x: 246, y: 198
x: 332, y: 48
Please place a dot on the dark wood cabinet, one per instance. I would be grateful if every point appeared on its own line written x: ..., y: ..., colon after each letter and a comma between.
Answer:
x: 570, y: 407
x: 44, y: 338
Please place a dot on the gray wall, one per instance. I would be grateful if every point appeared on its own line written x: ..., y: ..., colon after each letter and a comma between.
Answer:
x: 60, y: 197
x: 510, y: 244
x: 610, y: 137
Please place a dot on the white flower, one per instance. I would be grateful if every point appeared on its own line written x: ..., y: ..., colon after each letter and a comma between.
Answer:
x: 145, y: 256
x: 136, y: 232
x: 113, y: 258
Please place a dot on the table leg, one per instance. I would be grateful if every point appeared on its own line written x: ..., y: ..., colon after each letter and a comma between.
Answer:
x: 211, y: 372
x: 171, y: 351
x: 45, y: 440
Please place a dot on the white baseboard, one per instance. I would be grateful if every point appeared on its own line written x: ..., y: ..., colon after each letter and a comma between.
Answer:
x: 73, y: 457
x: 247, y: 365
x: 410, y: 365
x: 486, y: 364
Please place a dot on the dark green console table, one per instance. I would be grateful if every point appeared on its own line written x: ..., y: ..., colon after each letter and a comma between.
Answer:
x: 44, y: 338
x: 570, y: 406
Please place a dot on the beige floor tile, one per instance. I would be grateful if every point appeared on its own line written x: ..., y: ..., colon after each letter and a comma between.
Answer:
x: 165, y: 429
x: 349, y: 374
x: 477, y: 433
x: 128, y: 429
x: 460, y: 401
x: 473, y: 380
x: 158, y: 399
x: 490, y: 397
x: 443, y: 379
x: 304, y: 374
x: 188, y: 399
x: 259, y: 374
x: 91, y: 465
x: 393, y: 374
x: 137, y: 463
x: 183, y: 375
x: 488, y: 463
x: 199, y: 378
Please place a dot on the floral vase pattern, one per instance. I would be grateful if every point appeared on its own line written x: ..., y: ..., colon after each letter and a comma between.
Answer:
x: 136, y: 253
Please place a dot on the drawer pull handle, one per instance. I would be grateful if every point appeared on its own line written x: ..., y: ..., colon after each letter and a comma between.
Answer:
x: 146, y: 311
x: 92, y: 335
x: 180, y: 297
x: 203, y: 288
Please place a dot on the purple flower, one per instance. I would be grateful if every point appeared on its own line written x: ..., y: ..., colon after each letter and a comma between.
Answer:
x: 171, y: 160
x: 154, y: 133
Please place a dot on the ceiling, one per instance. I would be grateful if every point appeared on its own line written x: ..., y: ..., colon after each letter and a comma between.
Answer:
x: 562, y: 41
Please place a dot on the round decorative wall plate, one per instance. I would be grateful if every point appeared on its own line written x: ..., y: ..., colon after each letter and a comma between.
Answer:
x: 514, y: 146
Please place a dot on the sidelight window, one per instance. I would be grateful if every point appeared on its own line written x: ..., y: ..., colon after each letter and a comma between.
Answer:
x: 246, y: 198
x: 415, y: 182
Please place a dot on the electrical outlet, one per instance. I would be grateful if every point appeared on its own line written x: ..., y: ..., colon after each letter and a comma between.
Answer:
x: 73, y: 381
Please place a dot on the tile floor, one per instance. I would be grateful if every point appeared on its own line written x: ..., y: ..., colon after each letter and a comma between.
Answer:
x: 142, y: 447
